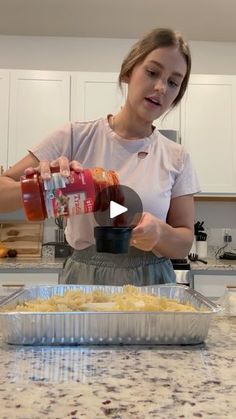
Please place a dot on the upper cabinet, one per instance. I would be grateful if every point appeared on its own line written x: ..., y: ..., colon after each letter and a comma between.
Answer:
x: 170, y: 121
x: 94, y: 95
x: 39, y: 103
x: 208, y: 131
x: 4, y: 107
x: 33, y: 103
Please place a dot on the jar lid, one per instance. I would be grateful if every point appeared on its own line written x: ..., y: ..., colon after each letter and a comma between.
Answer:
x: 32, y: 197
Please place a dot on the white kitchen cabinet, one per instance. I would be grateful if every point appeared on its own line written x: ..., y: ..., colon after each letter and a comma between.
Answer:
x: 208, y: 131
x: 4, y: 108
x: 33, y: 103
x: 95, y: 95
x: 12, y: 282
x: 213, y: 285
x: 170, y: 121
x: 28, y: 278
x: 39, y: 103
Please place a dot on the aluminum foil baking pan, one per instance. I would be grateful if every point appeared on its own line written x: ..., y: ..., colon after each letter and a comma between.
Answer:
x: 76, y: 328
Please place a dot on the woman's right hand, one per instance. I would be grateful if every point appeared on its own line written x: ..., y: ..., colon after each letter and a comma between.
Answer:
x: 62, y: 163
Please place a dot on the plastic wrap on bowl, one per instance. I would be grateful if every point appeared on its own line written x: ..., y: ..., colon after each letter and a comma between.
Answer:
x: 228, y: 301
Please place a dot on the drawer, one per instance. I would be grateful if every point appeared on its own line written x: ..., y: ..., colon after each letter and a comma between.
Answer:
x: 213, y: 285
x: 28, y: 279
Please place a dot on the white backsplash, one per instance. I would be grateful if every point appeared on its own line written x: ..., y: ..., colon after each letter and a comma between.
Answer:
x: 216, y: 214
x: 215, y: 236
x: 49, y: 231
x: 219, y: 217
x: 215, y: 241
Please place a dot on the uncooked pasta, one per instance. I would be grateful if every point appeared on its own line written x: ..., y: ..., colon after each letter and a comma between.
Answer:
x: 130, y: 299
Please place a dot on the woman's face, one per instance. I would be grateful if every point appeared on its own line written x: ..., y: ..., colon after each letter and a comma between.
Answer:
x: 155, y: 83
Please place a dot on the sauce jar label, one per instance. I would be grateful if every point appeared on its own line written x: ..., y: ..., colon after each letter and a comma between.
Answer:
x: 62, y: 196
x: 69, y: 196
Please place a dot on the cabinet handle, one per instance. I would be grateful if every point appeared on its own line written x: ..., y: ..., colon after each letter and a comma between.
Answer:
x: 13, y: 285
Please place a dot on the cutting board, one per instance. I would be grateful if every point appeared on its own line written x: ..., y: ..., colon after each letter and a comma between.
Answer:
x: 23, y: 236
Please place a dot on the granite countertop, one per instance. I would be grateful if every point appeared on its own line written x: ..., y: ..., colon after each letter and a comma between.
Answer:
x: 46, y: 263
x: 126, y: 382
x: 43, y: 263
x: 214, y: 265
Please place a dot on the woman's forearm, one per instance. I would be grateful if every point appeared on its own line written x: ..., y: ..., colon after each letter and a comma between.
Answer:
x: 10, y: 190
x: 175, y: 242
x: 10, y: 194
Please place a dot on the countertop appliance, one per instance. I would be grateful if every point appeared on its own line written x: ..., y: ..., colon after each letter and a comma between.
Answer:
x: 183, y: 272
x: 61, y: 248
x: 171, y: 134
x: 228, y: 256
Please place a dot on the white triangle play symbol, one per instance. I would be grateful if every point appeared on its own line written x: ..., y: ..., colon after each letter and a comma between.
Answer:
x: 116, y: 209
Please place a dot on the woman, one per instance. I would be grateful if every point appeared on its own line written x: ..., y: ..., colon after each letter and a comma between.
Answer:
x: 156, y: 71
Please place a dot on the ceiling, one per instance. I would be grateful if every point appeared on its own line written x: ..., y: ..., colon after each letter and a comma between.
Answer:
x: 200, y: 20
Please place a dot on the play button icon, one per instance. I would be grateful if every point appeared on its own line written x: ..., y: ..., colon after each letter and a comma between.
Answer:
x: 119, y: 206
x: 116, y: 209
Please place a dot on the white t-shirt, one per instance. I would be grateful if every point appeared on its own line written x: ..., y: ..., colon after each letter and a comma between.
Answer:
x: 165, y: 172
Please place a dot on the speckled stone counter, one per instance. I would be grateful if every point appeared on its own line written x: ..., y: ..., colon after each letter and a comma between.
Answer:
x: 31, y: 265
x: 227, y: 267
x: 122, y: 382
x: 54, y: 264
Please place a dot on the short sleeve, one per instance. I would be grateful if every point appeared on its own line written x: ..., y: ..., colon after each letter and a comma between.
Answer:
x: 56, y: 144
x: 186, y: 182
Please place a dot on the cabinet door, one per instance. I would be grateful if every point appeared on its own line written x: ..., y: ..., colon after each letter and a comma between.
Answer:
x: 208, y: 130
x: 4, y: 107
x: 39, y: 103
x: 12, y: 282
x: 213, y: 286
x: 95, y: 95
x: 170, y: 121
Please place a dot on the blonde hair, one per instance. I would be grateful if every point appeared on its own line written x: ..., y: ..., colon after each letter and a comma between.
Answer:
x: 157, y: 38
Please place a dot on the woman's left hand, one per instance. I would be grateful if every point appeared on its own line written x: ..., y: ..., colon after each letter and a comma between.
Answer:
x: 147, y: 233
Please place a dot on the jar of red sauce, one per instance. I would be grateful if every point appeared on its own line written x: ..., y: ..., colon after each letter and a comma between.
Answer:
x: 65, y: 196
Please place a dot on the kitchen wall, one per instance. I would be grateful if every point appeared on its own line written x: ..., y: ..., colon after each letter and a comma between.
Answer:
x: 100, y: 54
x: 218, y: 217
